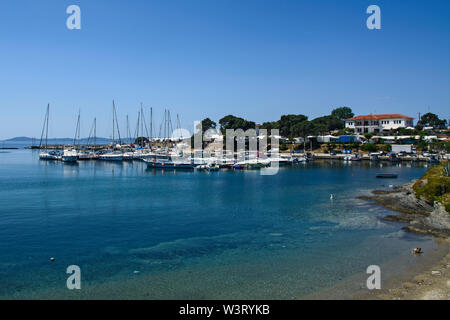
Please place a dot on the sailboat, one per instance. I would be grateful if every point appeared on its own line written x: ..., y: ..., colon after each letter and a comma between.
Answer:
x: 70, y: 155
x: 47, y: 154
x: 90, y: 154
x: 114, y: 155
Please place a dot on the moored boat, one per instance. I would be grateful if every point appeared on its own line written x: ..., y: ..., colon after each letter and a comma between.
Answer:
x: 69, y: 155
x: 387, y: 175
x: 112, y: 156
x: 49, y: 155
x: 169, y: 164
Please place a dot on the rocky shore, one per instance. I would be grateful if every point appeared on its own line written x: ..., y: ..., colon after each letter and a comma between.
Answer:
x: 422, y: 216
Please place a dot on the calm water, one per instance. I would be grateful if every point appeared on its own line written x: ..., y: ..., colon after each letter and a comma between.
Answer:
x: 190, y: 234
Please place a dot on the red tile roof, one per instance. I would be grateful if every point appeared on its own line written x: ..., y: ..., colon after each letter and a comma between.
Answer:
x: 380, y: 117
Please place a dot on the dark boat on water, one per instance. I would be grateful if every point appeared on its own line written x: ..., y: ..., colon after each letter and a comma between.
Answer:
x: 387, y: 175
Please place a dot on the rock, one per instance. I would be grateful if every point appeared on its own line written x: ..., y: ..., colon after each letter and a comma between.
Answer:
x: 420, y: 279
x: 408, y: 285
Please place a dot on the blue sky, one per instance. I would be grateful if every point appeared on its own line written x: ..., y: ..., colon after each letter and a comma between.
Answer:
x: 208, y: 58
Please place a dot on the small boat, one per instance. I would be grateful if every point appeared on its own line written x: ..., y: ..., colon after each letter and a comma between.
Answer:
x: 309, y: 157
x: 168, y: 164
x: 374, y: 156
x: 387, y: 175
x: 281, y: 161
x: 208, y: 167
x: 49, y: 155
x: 254, y: 163
x: 112, y: 156
x: 69, y: 155
x: 127, y: 156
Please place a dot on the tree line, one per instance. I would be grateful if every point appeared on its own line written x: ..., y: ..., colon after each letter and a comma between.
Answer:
x: 289, y: 126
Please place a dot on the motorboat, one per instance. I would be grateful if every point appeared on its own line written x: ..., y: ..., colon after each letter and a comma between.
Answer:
x: 69, y: 155
x: 50, y: 155
x: 387, y: 175
x: 169, y: 164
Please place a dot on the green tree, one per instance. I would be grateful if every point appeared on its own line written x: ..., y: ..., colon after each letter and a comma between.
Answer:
x: 207, y: 124
x: 141, y: 141
x: 233, y: 122
x: 327, y: 123
x: 342, y: 113
x: 387, y: 148
x: 431, y: 120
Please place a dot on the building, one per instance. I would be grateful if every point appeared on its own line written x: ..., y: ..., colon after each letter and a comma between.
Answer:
x: 374, y: 123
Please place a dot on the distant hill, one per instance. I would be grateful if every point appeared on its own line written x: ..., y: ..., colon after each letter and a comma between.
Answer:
x: 27, y: 141
x: 18, y: 139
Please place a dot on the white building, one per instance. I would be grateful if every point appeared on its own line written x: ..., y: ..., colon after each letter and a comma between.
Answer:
x: 374, y: 123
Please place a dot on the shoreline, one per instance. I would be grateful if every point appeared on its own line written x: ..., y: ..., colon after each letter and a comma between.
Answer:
x: 422, y: 217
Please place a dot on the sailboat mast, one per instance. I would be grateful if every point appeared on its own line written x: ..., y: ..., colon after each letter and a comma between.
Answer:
x: 117, y: 123
x: 46, y: 133
x: 44, y: 129
x: 128, y: 130
x: 95, y: 132
x: 151, y: 127
x: 113, y: 124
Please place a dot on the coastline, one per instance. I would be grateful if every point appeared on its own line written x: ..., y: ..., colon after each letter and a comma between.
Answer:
x: 430, y: 282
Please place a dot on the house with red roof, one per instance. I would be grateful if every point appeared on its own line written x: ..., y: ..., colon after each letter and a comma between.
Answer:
x: 375, y: 123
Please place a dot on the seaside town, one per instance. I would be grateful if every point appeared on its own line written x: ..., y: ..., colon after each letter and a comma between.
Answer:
x: 228, y: 157
x: 341, y: 135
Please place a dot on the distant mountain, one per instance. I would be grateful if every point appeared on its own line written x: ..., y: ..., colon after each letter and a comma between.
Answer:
x: 27, y: 141
x: 18, y: 139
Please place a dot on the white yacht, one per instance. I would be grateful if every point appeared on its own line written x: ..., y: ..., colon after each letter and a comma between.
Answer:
x: 69, y: 155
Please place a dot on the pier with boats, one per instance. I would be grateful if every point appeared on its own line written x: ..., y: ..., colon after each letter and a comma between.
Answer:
x: 167, y: 152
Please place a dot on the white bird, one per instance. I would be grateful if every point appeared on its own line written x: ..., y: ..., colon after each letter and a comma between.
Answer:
x: 331, y: 197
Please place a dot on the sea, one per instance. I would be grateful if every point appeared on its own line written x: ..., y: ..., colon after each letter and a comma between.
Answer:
x: 139, y: 233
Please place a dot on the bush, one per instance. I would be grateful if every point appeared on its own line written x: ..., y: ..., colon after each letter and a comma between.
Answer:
x: 434, y: 186
x: 387, y: 148
x: 369, y: 147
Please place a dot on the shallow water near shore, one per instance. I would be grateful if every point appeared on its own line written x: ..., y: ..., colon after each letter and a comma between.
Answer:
x: 138, y: 233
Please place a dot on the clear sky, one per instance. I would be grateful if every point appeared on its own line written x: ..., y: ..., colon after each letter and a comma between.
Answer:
x: 257, y: 59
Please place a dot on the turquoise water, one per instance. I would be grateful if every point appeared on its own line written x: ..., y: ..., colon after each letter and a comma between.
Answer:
x: 196, y: 235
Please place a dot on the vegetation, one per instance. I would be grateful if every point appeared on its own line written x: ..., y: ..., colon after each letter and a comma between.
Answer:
x: 141, y: 141
x: 435, y: 185
x: 207, y: 124
x: 233, y: 122
x: 369, y: 147
x: 292, y: 126
x: 430, y: 120
x: 342, y: 113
